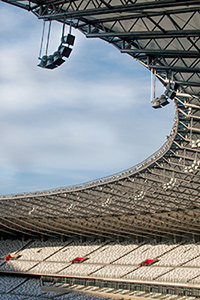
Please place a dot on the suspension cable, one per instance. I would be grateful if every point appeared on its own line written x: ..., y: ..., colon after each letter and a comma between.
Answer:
x: 42, y: 39
x: 70, y: 27
x: 63, y: 29
x: 48, y: 37
x: 151, y: 85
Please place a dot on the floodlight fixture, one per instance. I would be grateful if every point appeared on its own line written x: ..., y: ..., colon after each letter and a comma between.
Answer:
x: 156, y: 103
x: 174, y: 86
x: 43, y: 61
x: 170, y: 94
x: 160, y: 101
x: 170, y: 184
x: 64, y: 51
x: 50, y: 63
x: 191, y: 168
x: 195, y: 143
x: 163, y: 100
x: 68, y: 39
x: 171, y: 90
x: 57, y: 58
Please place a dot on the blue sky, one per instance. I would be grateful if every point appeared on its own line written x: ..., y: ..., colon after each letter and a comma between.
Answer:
x: 87, y: 119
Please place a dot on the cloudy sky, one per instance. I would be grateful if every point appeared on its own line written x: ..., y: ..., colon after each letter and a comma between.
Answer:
x: 87, y: 119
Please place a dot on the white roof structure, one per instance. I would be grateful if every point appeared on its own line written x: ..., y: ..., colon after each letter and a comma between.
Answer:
x: 159, y: 196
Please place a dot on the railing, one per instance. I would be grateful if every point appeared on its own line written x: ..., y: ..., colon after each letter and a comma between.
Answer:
x: 174, y: 288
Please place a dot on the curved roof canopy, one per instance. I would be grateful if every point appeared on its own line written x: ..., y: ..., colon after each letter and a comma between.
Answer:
x: 159, y: 196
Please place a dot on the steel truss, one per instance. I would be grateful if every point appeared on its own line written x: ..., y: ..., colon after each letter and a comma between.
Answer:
x: 160, y: 196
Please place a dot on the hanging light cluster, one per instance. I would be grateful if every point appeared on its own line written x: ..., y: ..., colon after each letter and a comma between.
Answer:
x: 158, y: 102
x: 162, y: 100
x: 171, y: 90
x: 57, y: 58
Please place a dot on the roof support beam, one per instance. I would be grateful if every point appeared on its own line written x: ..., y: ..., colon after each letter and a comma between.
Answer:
x: 18, y: 4
x: 188, y: 83
x: 137, y: 7
x: 164, y: 53
x: 144, y: 15
x: 175, y: 69
x: 146, y: 34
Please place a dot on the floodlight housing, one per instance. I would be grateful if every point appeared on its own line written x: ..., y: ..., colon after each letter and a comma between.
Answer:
x: 171, y: 90
x: 43, y: 61
x: 68, y: 39
x: 170, y: 94
x: 163, y: 100
x: 174, y: 86
x: 64, y: 51
x: 57, y: 59
x: 156, y: 103
x: 50, y: 63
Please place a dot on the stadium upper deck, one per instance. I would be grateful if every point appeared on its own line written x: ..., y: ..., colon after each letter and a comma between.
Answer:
x: 159, y: 196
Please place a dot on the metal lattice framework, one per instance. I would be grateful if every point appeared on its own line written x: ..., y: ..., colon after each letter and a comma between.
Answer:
x: 159, y: 196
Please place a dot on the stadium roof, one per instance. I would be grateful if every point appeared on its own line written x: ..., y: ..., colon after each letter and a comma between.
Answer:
x: 159, y: 196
